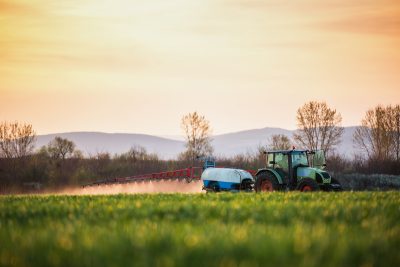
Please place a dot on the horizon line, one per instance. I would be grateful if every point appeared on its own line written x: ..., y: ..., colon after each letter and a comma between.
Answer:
x: 164, y: 135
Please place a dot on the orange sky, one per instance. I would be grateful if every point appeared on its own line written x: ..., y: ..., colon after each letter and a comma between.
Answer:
x: 139, y: 66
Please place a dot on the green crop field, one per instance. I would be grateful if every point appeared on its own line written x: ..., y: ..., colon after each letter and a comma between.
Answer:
x: 277, y: 229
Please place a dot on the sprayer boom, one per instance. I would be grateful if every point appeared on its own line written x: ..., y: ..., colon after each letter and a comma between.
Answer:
x: 188, y: 175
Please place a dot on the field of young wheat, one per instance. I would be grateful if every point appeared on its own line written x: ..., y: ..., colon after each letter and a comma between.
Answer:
x: 277, y: 229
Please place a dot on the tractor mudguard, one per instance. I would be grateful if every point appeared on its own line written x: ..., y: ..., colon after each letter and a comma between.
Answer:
x: 278, y: 177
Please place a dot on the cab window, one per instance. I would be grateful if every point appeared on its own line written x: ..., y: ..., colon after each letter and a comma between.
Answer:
x: 281, y: 162
x: 299, y: 158
x: 269, y: 160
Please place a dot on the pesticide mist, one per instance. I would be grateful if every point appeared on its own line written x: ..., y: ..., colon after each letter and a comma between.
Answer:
x: 136, y: 188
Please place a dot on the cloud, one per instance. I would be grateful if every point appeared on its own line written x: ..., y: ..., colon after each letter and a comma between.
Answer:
x: 356, y: 16
x: 385, y: 24
x: 35, y: 35
x: 17, y: 8
x: 7, y: 7
x: 258, y: 3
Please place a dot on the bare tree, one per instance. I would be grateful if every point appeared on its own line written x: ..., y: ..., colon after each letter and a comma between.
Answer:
x: 198, y: 136
x: 318, y: 127
x: 17, y: 140
x: 395, y: 129
x: 60, y: 148
x: 279, y: 142
x: 379, y: 133
x: 139, y: 153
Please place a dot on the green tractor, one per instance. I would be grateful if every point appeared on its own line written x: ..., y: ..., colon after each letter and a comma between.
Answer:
x: 301, y: 170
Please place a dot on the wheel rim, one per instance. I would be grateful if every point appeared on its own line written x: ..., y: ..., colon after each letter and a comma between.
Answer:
x: 266, y: 186
x: 306, y: 188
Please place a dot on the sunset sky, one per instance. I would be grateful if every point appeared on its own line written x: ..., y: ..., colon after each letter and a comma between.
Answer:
x: 138, y: 66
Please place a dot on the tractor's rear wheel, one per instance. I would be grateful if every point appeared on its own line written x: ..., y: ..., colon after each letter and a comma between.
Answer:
x: 266, y: 182
x: 308, y: 185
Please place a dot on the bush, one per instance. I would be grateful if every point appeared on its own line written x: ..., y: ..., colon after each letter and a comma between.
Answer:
x: 359, y: 182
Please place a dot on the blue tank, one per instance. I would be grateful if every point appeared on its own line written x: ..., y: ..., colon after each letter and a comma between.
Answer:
x: 224, y: 179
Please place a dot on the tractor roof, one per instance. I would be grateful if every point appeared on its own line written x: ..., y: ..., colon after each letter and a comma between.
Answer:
x: 293, y: 151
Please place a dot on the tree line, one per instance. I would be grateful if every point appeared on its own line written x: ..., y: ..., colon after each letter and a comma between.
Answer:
x: 60, y: 163
x: 377, y: 139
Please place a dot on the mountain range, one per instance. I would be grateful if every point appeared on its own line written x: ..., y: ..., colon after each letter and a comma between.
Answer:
x: 91, y: 143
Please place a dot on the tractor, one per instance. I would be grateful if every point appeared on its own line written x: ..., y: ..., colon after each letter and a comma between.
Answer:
x: 301, y: 170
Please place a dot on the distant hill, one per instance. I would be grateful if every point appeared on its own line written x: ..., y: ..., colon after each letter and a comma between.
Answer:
x: 241, y: 142
x: 92, y: 143
x: 244, y: 141
x: 229, y: 144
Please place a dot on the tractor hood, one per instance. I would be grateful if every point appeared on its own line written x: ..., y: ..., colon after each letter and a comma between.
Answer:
x: 314, y: 173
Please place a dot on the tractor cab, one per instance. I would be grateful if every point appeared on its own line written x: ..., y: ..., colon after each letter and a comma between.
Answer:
x: 293, y: 169
x: 296, y: 158
x: 284, y: 160
x: 285, y: 163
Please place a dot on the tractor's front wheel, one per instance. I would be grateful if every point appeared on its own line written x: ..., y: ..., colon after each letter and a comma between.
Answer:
x: 335, y: 185
x: 266, y: 182
x: 308, y: 185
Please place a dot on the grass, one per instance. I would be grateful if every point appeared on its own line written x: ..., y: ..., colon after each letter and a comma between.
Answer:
x: 278, y: 229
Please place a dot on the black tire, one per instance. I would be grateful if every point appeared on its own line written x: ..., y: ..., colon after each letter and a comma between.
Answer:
x: 308, y: 185
x: 246, y: 185
x: 213, y: 187
x: 266, y: 182
x: 336, y: 182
